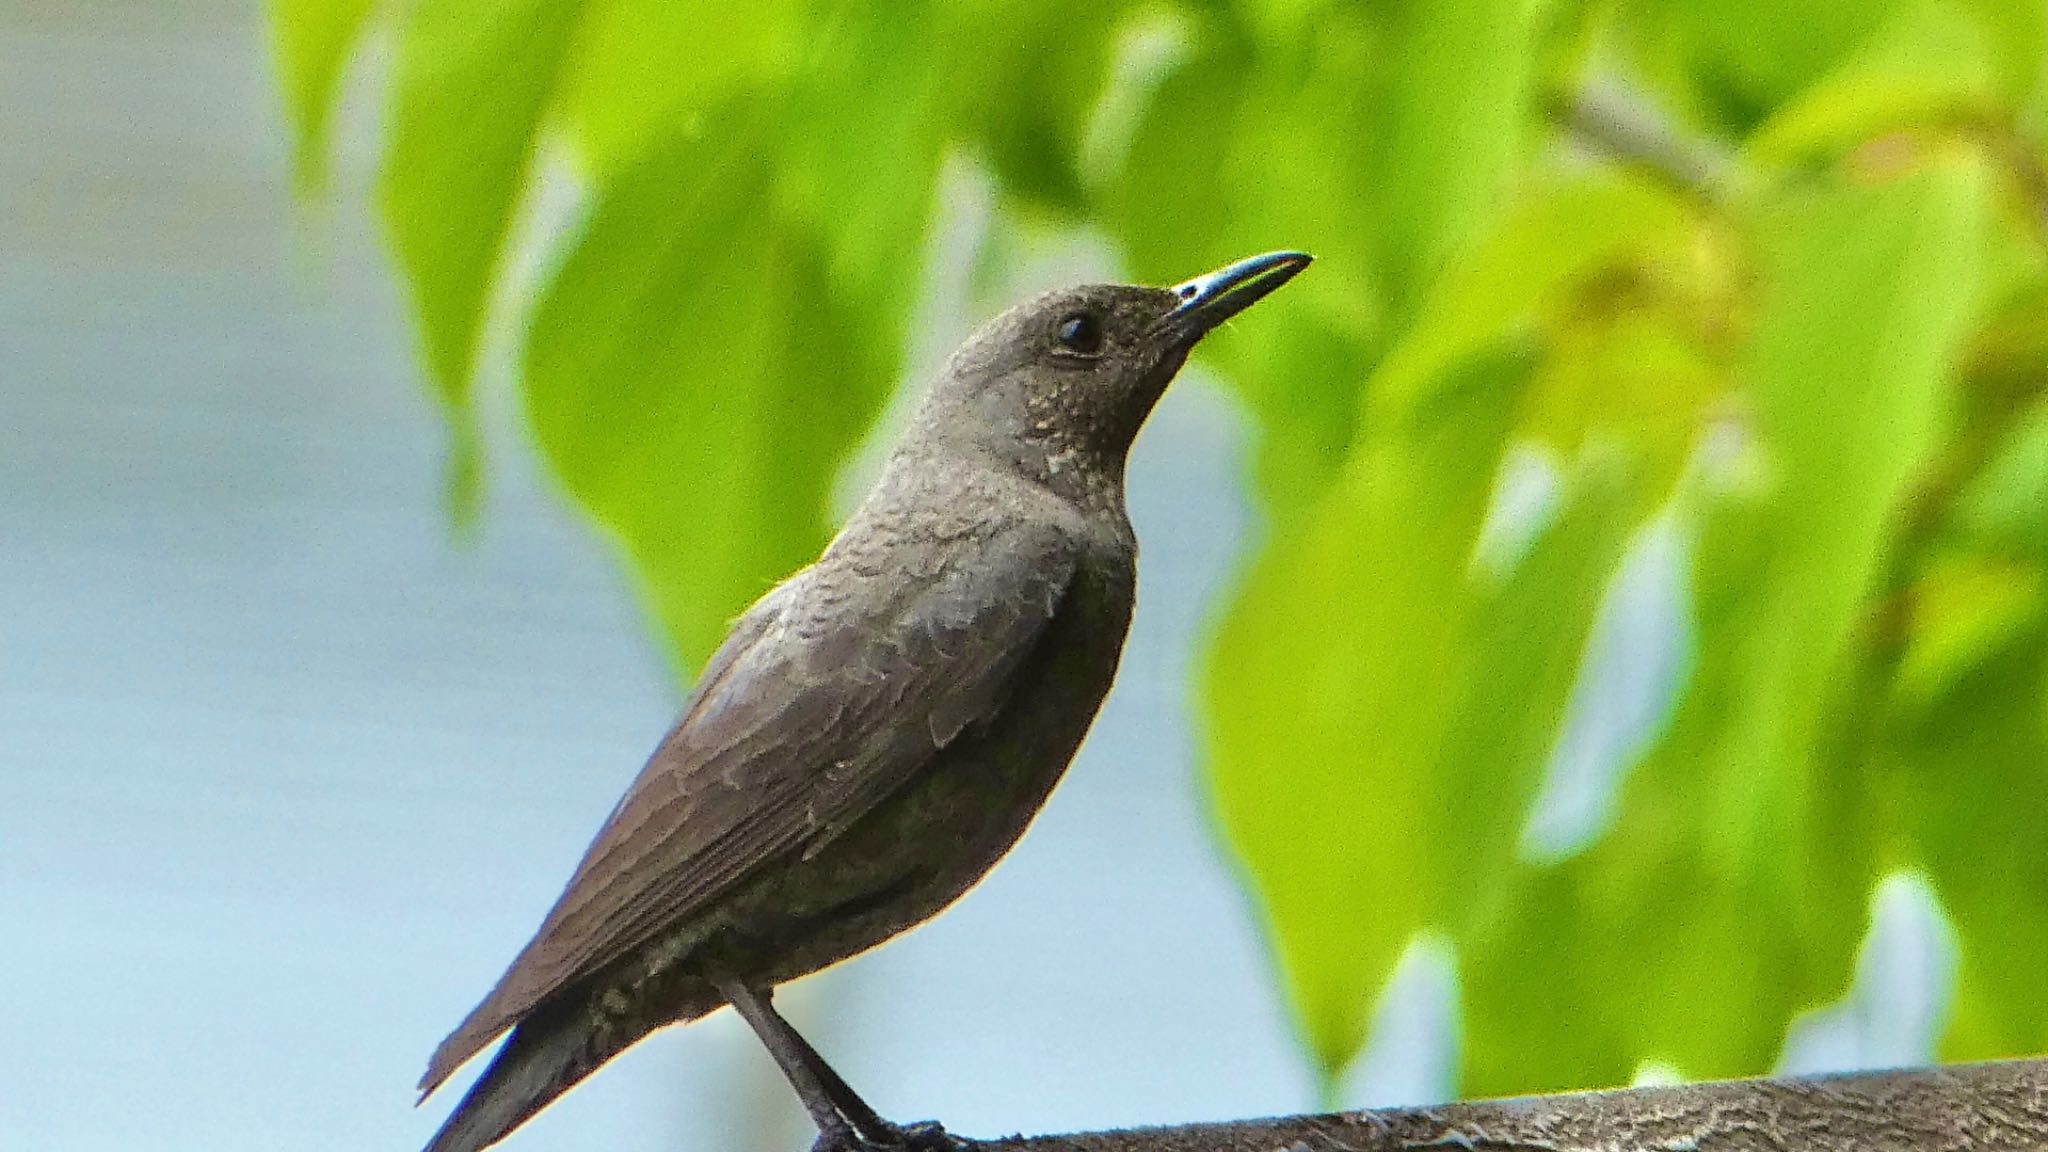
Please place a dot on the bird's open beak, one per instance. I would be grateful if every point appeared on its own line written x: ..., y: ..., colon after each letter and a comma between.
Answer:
x: 1212, y: 298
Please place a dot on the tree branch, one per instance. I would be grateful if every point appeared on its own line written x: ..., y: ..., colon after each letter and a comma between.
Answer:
x: 1961, y: 1108
x: 1613, y: 122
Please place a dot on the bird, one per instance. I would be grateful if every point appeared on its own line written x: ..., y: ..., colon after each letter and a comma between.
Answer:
x: 877, y: 730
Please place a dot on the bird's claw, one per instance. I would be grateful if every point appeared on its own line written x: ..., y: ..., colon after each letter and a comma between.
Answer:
x: 928, y: 1136
x: 922, y: 1136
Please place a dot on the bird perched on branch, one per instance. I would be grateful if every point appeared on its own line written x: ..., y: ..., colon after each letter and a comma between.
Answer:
x: 878, y: 730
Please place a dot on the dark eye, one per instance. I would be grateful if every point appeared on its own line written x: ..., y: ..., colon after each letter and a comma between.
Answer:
x: 1081, y: 333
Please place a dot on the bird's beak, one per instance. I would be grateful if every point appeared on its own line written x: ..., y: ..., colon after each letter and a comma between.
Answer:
x: 1213, y: 297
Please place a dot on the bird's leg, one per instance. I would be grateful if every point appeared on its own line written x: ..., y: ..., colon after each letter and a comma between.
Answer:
x: 836, y: 1108
x: 918, y: 1136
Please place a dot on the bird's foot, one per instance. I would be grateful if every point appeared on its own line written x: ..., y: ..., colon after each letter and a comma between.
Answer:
x: 922, y: 1136
x: 928, y: 1136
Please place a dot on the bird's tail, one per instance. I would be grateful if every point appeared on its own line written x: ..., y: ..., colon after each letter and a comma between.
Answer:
x: 542, y: 1059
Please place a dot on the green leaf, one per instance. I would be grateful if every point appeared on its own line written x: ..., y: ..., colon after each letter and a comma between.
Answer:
x: 1929, y: 68
x: 697, y: 395
x: 2006, y: 505
x: 475, y: 79
x: 1327, y: 693
x: 1528, y: 633
x: 1461, y: 105
x: 1378, y: 138
x: 2017, y: 31
x: 1860, y: 331
x: 2003, y: 507
x: 859, y: 160
x: 1736, y: 65
x: 1299, y: 371
x: 1368, y: 679
x: 313, y: 40
x: 1292, y: 172
x: 1731, y: 63
x: 1544, y: 241
x: 1167, y: 198
x: 1968, y: 782
x: 1736, y: 873
x: 1964, y: 610
x: 1024, y: 76
x: 645, y: 69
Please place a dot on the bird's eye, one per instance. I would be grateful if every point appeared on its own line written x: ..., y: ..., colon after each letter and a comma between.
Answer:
x: 1081, y: 333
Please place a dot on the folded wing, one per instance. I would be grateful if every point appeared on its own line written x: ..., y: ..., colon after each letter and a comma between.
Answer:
x: 805, y: 719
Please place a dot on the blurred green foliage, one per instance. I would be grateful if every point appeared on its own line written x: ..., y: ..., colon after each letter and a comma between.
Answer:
x: 1771, y: 270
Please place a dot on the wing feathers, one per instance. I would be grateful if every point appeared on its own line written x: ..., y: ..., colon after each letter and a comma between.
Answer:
x: 804, y: 720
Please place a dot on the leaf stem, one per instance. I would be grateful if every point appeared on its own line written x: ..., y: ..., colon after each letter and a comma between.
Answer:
x: 1628, y: 128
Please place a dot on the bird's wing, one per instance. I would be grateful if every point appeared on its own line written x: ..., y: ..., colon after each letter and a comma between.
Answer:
x: 803, y: 721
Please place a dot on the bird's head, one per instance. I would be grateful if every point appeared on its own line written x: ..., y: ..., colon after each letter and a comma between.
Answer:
x: 1063, y: 382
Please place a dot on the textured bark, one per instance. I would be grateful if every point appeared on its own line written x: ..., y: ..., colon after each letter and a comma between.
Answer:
x: 1961, y: 1108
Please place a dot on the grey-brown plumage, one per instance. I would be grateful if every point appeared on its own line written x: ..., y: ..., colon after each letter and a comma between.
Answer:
x: 877, y: 730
